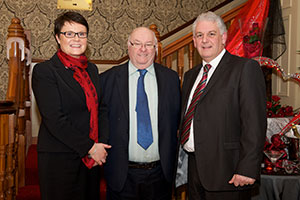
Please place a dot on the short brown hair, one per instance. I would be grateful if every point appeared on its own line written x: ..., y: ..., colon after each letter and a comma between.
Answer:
x: 69, y: 17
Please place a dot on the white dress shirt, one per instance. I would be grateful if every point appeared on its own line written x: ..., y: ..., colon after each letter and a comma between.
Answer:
x: 189, y: 145
x: 136, y: 152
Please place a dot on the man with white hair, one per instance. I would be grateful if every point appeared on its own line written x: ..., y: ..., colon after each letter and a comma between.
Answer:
x: 223, y: 118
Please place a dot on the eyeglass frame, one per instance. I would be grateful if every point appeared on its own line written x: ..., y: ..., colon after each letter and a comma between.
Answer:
x: 140, y: 45
x: 75, y: 33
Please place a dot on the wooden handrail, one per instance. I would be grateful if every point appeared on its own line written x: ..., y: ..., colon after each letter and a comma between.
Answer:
x: 185, y: 40
x: 176, y: 30
x: 7, y: 107
x: 178, y: 44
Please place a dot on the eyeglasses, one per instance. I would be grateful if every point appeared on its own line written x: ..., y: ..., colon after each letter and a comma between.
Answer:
x: 71, y: 34
x: 138, y: 45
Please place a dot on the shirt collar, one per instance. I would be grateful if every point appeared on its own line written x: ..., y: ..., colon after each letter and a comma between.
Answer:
x: 214, y: 63
x: 132, y: 69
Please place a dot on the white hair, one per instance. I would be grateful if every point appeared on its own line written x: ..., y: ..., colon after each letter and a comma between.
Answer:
x: 154, y: 36
x: 210, y: 16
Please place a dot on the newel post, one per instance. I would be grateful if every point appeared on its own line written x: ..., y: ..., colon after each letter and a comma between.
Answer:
x: 158, y: 59
x: 16, y: 61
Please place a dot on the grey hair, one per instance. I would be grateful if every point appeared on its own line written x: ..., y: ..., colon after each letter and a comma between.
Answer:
x: 212, y: 17
x: 154, y: 36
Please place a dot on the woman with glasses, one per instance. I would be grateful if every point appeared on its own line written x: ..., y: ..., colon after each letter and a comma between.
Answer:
x: 73, y: 130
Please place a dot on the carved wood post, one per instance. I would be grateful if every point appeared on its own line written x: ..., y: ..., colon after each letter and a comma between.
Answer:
x: 158, y: 59
x: 3, y: 149
x: 15, y: 54
x: 23, y: 111
x: 180, y: 63
x: 7, y: 111
x: 169, y: 61
x: 191, y: 55
x: 27, y: 71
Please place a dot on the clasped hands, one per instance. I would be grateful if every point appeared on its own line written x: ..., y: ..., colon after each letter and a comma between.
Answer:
x: 239, y: 180
x: 98, y: 153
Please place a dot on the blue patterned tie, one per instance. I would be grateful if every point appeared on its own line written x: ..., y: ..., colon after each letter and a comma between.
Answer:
x: 144, y: 129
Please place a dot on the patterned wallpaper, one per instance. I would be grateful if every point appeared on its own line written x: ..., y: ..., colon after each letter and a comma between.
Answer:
x: 110, y: 23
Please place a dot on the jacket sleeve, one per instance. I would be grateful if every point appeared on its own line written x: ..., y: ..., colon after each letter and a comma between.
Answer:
x: 253, y: 119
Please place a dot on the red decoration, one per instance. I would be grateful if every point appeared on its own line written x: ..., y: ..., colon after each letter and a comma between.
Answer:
x: 274, y: 109
x: 270, y: 63
x: 278, y: 145
x: 246, y: 30
x: 276, y: 141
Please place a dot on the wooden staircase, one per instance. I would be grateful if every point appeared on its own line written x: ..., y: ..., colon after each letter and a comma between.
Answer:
x: 14, y: 113
x: 15, y: 121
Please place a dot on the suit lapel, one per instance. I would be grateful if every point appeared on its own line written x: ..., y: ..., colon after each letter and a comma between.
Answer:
x: 193, y: 78
x: 160, y: 90
x: 218, y: 73
x: 122, y: 85
x: 67, y: 76
x: 190, y: 83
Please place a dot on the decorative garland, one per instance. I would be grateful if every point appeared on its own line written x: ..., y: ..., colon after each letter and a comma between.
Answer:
x: 270, y: 63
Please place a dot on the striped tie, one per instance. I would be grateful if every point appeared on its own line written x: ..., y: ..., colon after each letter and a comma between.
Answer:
x: 191, y: 110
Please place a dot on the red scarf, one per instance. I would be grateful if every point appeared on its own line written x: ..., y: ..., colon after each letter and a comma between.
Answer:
x: 79, y: 65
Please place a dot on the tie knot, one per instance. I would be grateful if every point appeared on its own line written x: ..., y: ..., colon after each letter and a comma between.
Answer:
x: 207, y: 67
x: 142, y: 72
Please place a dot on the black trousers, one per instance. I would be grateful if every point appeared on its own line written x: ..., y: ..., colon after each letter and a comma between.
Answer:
x: 143, y: 184
x: 197, y: 192
x: 63, y: 176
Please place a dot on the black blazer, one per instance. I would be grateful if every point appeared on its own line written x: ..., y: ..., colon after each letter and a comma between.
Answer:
x: 229, y: 121
x: 115, y: 88
x: 62, y: 104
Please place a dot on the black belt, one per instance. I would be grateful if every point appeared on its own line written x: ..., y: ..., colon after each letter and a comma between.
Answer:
x: 190, y: 153
x: 141, y: 165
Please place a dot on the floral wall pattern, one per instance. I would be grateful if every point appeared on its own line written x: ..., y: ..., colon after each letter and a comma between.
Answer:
x: 110, y: 23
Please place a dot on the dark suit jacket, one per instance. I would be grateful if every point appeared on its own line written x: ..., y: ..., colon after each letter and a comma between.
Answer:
x: 61, y: 101
x: 229, y: 121
x: 115, y: 88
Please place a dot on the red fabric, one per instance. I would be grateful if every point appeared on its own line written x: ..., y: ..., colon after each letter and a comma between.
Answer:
x: 250, y: 20
x: 79, y: 65
x: 29, y: 192
x: 31, y: 166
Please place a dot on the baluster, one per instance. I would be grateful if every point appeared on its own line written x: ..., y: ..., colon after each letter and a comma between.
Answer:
x: 169, y: 61
x: 191, y: 55
x: 10, y: 159
x: 23, y: 114
x: 180, y: 63
x: 27, y: 70
x: 19, y: 153
x: 3, y: 146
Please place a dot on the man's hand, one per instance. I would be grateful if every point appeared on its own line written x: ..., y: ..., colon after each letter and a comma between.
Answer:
x: 239, y: 180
